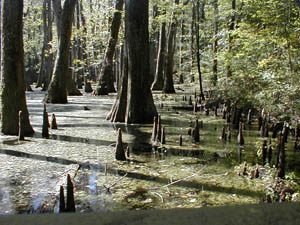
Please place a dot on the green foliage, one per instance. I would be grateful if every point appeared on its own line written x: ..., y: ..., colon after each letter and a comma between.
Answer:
x: 33, y: 39
x: 263, y: 55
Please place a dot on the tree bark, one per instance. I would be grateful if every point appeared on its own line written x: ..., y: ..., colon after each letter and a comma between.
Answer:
x: 181, y: 58
x: 57, y: 91
x: 13, y: 98
x: 137, y: 99
x: 199, y: 20
x: 168, y: 81
x: 140, y: 104
x: 0, y: 36
x: 158, y: 83
x: 231, y: 28
x: 106, y: 84
x: 47, y: 56
x: 215, y: 44
x: 118, y: 111
x: 58, y: 15
x: 193, y: 41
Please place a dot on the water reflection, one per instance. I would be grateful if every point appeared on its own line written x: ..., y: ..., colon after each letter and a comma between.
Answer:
x: 5, y: 203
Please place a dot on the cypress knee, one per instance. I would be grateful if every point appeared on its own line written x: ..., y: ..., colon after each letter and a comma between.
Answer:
x: 228, y: 117
x: 245, y: 169
x: 62, y: 204
x: 190, y: 101
x: 154, y: 129
x: 196, y: 132
x: 228, y: 134
x: 285, y: 131
x: 190, y: 131
x: 216, y: 111
x: 158, y: 133
x: 224, y: 112
x: 45, y: 130
x: 260, y: 121
x: 53, y: 122
x: 270, y: 152
x: 240, y: 137
x: 249, y: 117
x: 70, y: 195
x: 87, y: 86
x: 163, y: 136
x: 264, y: 152
x: 21, y: 126
x: 281, y: 164
x: 201, y: 124
x: 262, y: 128
x: 295, y: 145
x: 120, y: 153
x: 256, y: 173
x: 223, y: 137
x: 266, y: 133
x: 195, y: 107
x: 296, y: 133
x: 207, y: 111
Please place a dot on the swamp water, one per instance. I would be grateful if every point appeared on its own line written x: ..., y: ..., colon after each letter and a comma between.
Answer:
x: 169, y: 176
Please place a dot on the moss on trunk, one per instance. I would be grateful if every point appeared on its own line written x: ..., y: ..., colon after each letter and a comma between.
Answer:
x: 13, y: 97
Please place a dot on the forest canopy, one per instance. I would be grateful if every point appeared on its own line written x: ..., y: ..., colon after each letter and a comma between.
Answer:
x: 248, y: 49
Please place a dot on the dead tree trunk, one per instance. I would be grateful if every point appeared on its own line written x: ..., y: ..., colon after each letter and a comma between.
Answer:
x: 13, y: 98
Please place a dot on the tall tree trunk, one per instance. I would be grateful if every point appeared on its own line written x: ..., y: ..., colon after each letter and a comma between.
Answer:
x: 181, y: 58
x: 105, y: 84
x: 72, y: 90
x: 47, y: 56
x: 168, y: 81
x: 200, y: 19
x: 78, y: 48
x: 13, y: 97
x: 57, y: 91
x: 57, y: 9
x: 215, y: 44
x: 158, y: 83
x: 118, y: 111
x: 140, y: 107
x: 193, y: 41
x: 154, y: 42
x: 231, y: 28
x: 0, y: 36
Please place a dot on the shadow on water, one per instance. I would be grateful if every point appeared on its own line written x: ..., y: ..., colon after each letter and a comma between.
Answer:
x: 85, y: 125
x: 76, y: 139
x: 139, y: 176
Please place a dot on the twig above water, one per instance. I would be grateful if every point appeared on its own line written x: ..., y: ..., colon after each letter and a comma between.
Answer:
x: 177, y: 181
x: 113, y: 184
